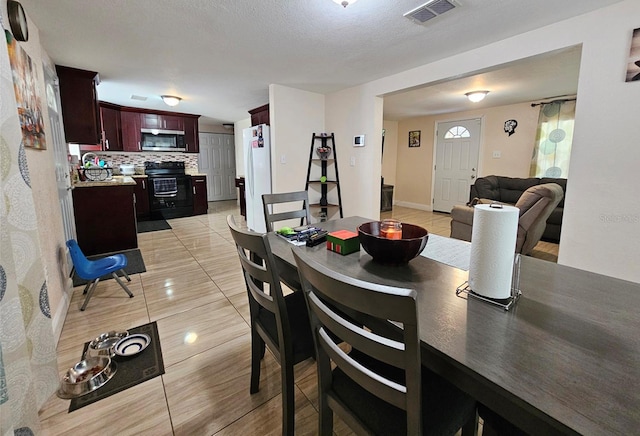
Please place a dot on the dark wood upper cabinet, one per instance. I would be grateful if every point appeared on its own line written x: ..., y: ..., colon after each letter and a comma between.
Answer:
x: 191, y: 140
x: 158, y: 121
x: 80, y: 112
x: 260, y: 115
x: 130, y: 122
x: 111, y: 127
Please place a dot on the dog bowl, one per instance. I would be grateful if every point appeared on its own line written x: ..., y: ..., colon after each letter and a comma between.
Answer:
x: 86, y: 376
x: 392, y: 251
x: 103, y: 344
x: 132, y: 344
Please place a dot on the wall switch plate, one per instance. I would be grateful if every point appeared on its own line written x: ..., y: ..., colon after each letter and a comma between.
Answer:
x: 352, y: 161
x: 497, y: 154
x: 283, y: 159
x: 358, y: 141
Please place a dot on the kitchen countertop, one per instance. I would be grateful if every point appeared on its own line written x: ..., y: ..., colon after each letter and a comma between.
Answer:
x: 115, y: 181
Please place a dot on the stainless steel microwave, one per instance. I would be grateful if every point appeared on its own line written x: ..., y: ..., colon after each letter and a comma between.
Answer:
x: 162, y: 140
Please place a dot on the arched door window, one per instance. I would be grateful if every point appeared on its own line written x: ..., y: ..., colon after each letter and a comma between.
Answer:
x: 457, y: 132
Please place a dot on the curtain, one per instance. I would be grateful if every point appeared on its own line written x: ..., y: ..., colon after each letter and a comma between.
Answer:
x: 553, y: 140
x: 28, y: 367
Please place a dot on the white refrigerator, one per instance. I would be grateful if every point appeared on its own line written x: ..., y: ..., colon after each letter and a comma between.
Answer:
x: 257, y: 173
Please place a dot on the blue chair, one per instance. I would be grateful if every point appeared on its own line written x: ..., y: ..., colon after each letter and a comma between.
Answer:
x: 92, y: 270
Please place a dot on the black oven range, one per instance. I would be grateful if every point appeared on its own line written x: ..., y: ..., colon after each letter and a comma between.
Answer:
x: 170, y: 194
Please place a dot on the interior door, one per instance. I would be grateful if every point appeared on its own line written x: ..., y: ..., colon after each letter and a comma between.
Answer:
x: 217, y: 160
x: 457, y: 148
x: 60, y: 156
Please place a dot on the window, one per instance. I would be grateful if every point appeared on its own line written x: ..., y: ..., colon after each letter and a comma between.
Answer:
x: 457, y: 132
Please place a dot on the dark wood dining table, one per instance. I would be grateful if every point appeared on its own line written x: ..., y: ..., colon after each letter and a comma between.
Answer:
x: 564, y: 360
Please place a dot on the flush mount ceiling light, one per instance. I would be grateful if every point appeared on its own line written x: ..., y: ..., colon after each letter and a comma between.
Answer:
x: 345, y: 3
x: 476, y: 96
x: 170, y: 100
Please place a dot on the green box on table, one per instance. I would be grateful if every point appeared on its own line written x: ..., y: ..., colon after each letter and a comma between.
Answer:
x: 343, y: 242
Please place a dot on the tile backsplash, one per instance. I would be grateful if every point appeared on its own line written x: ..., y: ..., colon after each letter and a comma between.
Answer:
x: 138, y: 159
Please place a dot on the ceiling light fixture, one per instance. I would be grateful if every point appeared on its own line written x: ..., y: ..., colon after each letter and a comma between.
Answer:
x: 345, y: 3
x: 170, y: 100
x: 476, y: 96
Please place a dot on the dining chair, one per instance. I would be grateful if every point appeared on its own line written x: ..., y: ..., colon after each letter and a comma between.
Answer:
x: 269, y: 202
x: 380, y: 386
x: 92, y: 270
x: 277, y: 321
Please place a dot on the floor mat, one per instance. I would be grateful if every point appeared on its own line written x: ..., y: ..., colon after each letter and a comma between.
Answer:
x: 135, y: 265
x: 130, y: 371
x: 152, y: 226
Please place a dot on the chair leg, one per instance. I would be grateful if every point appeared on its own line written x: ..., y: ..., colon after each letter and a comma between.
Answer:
x: 86, y: 288
x: 257, y: 352
x: 90, y: 293
x: 115, y: 276
x: 124, y: 273
x: 288, y: 399
x: 325, y: 416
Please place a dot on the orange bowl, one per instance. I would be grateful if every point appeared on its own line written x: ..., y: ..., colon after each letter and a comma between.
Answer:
x: 392, y: 251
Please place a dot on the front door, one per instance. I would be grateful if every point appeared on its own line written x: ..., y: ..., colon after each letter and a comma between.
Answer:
x: 457, y: 148
x: 217, y: 159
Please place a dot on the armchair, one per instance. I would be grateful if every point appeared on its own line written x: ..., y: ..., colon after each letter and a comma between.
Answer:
x: 535, y: 204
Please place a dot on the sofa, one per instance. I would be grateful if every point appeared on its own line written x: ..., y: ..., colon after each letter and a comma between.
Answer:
x: 509, y: 189
x: 534, y: 205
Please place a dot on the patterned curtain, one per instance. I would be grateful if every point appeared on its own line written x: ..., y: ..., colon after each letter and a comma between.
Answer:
x: 553, y: 140
x: 28, y: 367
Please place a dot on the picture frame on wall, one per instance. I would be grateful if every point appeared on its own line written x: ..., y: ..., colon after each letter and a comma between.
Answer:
x: 633, y: 65
x: 414, y: 138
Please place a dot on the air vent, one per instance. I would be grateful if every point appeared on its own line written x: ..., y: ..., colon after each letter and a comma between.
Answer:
x: 430, y: 10
x: 138, y: 97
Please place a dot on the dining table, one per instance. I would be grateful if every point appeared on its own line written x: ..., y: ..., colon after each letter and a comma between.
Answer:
x: 565, y: 359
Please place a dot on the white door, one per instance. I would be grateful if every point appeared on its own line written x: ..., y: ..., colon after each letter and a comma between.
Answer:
x: 457, y: 147
x: 60, y: 156
x: 217, y: 160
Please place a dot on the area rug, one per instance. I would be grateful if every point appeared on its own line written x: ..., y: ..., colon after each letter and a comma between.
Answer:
x: 130, y: 371
x: 152, y: 226
x: 450, y: 251
x: 135, y: 265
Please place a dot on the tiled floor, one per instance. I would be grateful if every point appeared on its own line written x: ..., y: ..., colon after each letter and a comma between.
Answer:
x: 194, y: 289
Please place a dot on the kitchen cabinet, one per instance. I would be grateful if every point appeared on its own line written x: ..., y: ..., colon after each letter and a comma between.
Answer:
x: 191, y: 140
x: 260, y: 115
x: 130, y: 126
x: 80, y: 112
x: 105, y: 218
x: 141, y: 191
x: 200, y: 204
x: 111, y: 130
x: 158, y: 121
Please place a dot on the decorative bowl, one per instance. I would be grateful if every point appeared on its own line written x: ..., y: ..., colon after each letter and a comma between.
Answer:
x: 103, y: 344
x: 392, y: 251
x: 132, y: 344
x: 86, y: 376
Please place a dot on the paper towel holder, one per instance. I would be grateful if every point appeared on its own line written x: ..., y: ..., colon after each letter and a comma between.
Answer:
x: 506, y: 303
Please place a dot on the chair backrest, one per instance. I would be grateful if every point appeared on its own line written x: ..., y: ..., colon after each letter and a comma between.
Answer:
x: 262, y: 281
x: 535, y: 204
x: 325, y: 290
x: 269, y: 202
x: 80, y: 261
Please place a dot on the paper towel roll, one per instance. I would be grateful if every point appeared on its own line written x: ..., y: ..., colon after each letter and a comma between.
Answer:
x: 493, y: 243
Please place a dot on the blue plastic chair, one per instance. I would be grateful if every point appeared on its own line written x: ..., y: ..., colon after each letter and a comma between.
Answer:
x: 92, y: 270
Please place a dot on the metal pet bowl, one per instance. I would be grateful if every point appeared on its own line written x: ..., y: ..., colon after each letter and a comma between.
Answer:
x: 103, y: 344
x: 86, y: 376
x: 392, y: 251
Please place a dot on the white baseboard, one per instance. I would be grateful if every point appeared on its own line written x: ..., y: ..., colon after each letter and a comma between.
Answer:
x: 414, y: 205
x: 61, y: 313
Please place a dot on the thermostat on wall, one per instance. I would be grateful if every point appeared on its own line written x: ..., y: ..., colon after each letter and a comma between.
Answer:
x: 358, y: 141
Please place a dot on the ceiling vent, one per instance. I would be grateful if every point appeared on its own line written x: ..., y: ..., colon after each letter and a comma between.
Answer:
x: 138, y: 97
x: 430, y: 10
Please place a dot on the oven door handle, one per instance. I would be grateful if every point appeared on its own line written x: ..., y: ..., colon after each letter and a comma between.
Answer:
x: 167, y: 194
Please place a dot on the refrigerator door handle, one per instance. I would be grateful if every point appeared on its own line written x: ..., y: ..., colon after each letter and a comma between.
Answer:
x: 250, y: 173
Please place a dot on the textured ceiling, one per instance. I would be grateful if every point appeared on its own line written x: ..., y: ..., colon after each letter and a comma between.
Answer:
x: 220, y: 56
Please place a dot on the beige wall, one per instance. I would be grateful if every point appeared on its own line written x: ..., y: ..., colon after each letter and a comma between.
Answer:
x: 44, y: 187
x: 601, y: 224
x: 415, y: 165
